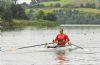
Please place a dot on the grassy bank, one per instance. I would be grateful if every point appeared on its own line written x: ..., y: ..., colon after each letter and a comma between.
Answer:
x: 36, y: 23
x: 46, y: 10
x: 88, y: 10
x: 62, y: 2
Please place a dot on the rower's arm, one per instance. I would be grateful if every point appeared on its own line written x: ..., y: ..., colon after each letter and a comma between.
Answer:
x: 56, y: 39
x: 67, y: 38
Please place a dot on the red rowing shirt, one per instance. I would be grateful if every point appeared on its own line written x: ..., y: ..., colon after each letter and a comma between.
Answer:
x: 61, y: 39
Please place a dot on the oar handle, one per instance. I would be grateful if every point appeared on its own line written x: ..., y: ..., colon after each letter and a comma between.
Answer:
x: 77, y: 46
x: 81, y: 47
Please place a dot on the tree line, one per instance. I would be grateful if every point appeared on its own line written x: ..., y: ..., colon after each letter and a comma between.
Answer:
x: 16, y: 11
x: 34, y: 4
x: 13, y: 12
x: 71, y: 16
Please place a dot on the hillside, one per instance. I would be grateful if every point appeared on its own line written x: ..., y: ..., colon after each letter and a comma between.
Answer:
x: 63, y: 2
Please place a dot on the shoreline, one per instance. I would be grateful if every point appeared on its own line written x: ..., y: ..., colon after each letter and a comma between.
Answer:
x: 80, y: 25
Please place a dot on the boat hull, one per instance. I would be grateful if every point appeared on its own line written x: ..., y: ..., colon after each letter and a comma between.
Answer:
x: 45, y: 49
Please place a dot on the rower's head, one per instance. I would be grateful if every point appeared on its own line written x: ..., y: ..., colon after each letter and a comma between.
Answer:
x: 61, y: 30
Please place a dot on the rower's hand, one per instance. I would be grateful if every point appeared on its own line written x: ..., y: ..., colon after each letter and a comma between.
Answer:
x: 55, y: 41
x: 69, y: 43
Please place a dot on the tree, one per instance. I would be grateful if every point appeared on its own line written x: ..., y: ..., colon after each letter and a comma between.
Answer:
x: 1, y: 11
x: 33, y: 2
x: 41, y: 15
x: 24, y: 4
x: 57, y: 5
x: 7, y: 18
x: 7, y: 15
x: 88, y: 5
x: 51, y: 5
x: 18, y: 12
x: 15, y: 1
x: 82, y: 5
x: 51, y: 17
x: 93, y: 5
x: 98, y: 7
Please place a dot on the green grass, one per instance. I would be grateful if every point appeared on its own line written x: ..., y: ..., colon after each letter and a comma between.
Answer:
x: 46, y: 10
x: 62, y: 2
x: 36, y: 23
x: 88, y: 10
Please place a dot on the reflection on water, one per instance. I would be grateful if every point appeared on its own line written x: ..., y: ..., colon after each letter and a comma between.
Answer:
x: 60, y: 57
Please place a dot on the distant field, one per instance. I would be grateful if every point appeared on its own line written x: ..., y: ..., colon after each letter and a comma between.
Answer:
x: 89, y: 10
x: 62, y: 2
x: 46, y: 10
x: 76, y: 2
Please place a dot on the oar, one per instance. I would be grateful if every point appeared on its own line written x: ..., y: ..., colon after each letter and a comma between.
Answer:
x: 79, y: 47
x: 31, y: 46
x: 13, y: 49
x: 35, y: 45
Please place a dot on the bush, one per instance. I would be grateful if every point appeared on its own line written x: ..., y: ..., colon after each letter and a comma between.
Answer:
x: 57, y: 5
x: 88, y: 5
x: 18, y: 12
x: 7, y: 15
x: 1, y: 11
x: 41, y: 15
x: 76, y: 17
x: 51, y: 17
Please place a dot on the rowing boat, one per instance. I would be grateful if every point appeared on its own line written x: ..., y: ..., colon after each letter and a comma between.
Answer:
x: 45, y: 49
x: 67, y: 47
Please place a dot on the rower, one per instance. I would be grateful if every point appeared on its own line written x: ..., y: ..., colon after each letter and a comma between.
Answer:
x: 61, y: 39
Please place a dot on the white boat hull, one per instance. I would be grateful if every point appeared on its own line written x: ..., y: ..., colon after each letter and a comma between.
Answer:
x: 45, y: 49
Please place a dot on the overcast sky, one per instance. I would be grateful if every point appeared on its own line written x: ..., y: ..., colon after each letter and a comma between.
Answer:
x: 21, y: 1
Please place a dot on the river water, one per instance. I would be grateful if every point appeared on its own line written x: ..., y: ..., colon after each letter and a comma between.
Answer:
x: 86, y: 37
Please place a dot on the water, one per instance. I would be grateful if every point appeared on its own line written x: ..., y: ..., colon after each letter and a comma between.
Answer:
x: 86, y: 37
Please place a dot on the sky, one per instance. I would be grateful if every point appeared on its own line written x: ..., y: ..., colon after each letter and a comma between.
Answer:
x: 21, y: 1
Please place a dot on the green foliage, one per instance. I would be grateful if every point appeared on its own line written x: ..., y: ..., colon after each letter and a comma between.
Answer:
x: 57, y: 5
x: 1, y: 11
x: 88, y: 10
x: 33, y: 2
x: 88, y: 5
x: 7, y: 15
x: 18, y: 12
x: 51, y: 17
x: 36, y: 23
x: 77, y: 17
x: 45, y: 23
x: 62, y: 2
x: 48, y: 16
x: 41, y: 15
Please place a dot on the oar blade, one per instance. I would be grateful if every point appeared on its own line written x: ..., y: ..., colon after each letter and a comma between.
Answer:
x: 86, y: 50
x: 80, y: 47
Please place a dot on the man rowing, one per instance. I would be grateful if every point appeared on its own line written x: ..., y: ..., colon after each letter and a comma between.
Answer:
x: 61, y: 39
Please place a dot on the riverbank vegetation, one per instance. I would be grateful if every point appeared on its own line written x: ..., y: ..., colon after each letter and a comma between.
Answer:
x: 42, y: 15
x: 36, y: 23
x: 15, y: 16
